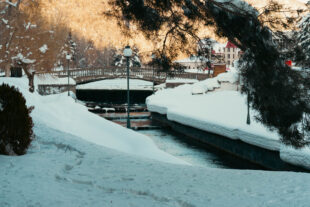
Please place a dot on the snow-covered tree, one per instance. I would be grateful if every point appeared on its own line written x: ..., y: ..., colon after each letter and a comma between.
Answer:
x: 303, y: 42
x: 274, y: 89
x: 26, y: 40
x: 134, y: 61
x: 69, y: 48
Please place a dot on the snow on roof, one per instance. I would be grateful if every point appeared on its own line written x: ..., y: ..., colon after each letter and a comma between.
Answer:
x: 193, y: 59
x: 218, y: 47
x: 117, y: 84
x: 48, y: 79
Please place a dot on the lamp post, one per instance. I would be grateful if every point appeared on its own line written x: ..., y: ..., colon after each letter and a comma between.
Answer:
x: 68, y: 57
x: 128, y: 53
x: 248, y: 120
x: 153, y: 58
x: 210, y: 56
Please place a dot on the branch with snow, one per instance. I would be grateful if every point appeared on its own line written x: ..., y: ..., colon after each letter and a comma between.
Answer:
x: 11, y: 3
x: 43, y: 49
x: 21, y: 58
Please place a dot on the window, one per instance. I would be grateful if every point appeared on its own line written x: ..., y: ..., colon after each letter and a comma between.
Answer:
x: 228, y: 56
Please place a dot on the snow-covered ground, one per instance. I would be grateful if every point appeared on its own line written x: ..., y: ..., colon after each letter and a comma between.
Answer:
x: 62, y: 113
x: 195, y: 70
x: 118, y: 84
x: 80, y: 159
x: 221, y: 112
x: 180, y: 80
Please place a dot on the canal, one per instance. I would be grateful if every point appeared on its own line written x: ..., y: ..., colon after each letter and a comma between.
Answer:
x: 110, y: 105
x: 178, y: 145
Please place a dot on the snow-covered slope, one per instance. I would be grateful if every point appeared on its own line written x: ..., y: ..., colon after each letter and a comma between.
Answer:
x: 65, y: 170
x: 62, y: 113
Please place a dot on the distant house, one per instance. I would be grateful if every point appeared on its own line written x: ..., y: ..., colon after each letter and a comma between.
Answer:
x: 193, y: 62
x: 231, y: 53
x: 222, y: 53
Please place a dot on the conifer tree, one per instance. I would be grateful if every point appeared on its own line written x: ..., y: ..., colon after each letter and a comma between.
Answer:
x: 134, y: 61
x: 303, y: 42
x: 274, y: 90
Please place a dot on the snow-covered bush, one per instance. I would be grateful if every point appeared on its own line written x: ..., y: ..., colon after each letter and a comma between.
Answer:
x: 15, y: 122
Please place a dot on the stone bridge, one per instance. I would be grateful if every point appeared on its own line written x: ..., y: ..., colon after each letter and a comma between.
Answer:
x: 84, y: 75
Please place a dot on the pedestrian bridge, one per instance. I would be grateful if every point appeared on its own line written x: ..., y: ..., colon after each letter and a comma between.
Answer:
x: 85, y: 75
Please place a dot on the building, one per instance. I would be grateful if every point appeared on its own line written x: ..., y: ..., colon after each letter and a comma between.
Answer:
x: 221, y: 53
x: 231, y: 53
x: 193, y: 62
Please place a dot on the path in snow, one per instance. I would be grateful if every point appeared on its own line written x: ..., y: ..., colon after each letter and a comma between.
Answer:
x: 63, y: 170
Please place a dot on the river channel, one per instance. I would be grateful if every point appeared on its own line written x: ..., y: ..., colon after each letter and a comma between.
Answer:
x: 178, y: 145
x: 102, y: 103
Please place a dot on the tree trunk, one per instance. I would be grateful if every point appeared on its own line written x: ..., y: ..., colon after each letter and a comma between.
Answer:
x: 7, y: 70
x: 30, y: 76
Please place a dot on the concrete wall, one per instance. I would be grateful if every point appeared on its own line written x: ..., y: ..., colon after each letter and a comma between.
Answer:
x: 54, y: 89
x: 263, y: 157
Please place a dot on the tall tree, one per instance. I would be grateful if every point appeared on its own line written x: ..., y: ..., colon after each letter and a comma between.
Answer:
x: 26, y: 40
x: 303, y: 42
x: 274, y: 90
x: 68, y: 49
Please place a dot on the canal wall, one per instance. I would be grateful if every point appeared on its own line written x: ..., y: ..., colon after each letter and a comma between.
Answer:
x: 55, y: 89
x: 112, y: 96
x: 267, y: 158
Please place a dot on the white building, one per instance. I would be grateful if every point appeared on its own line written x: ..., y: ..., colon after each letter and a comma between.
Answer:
x: 231, y: 53
x: 193, y: 62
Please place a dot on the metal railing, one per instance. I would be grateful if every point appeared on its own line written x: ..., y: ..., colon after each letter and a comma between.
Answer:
x: 88, y: 74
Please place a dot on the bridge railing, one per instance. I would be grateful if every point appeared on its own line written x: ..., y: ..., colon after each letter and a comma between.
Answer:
x: 114, y: 72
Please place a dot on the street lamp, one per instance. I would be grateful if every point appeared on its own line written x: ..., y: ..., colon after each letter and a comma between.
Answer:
x: 153, y: 58
x: 68, y: 58
x: 210, y: 56
x: 128, y: 53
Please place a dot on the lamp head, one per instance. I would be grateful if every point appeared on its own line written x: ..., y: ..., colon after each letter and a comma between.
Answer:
x: 127, y: 51
x: 68, y: 57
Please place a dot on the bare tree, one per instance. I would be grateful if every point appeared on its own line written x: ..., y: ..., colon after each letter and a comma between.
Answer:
x: 26, y: 40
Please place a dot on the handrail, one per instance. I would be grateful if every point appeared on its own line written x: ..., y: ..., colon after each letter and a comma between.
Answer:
x: 110, y: 72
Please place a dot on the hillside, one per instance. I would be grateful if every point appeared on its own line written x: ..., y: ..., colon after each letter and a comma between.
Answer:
x: 85, y: 19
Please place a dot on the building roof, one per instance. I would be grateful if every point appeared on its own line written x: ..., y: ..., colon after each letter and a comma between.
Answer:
x: 230, y: 45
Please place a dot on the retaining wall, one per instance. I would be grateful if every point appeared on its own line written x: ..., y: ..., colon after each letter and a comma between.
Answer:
x: 266, y: 158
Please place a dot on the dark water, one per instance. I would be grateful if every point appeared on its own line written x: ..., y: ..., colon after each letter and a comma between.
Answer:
x: 193, y: 152
x: 113, y: 96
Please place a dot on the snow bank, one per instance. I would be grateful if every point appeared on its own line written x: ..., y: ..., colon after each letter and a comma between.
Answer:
x: 223, y: 113
x: 63, y: 170
x: 180, y: 80
x: 117, y: 84
x: 60, y: 112
x: 47, y: 79
x: 299, y: 157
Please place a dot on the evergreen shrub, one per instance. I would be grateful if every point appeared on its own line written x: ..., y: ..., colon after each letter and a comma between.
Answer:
x: 15, y: 122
